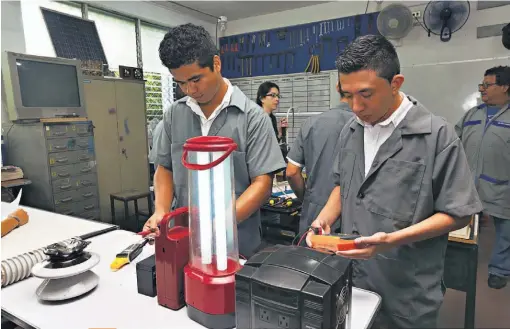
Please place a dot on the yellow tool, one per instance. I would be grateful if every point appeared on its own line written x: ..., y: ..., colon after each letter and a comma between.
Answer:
x: 128, y: 255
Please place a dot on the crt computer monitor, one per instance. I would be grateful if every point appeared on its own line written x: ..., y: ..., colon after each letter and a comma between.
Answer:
x: 42, y: 87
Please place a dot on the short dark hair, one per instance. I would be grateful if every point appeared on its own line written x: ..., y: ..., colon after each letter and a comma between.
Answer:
x: 187, y: 44
x: 502, y: 74
x: 264, y: 88
x: 370, y: 52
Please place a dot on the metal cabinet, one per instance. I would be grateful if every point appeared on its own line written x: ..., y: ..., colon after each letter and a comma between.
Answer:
x: 60, y: 160
x: 117, y: 109
x: 75, y: 166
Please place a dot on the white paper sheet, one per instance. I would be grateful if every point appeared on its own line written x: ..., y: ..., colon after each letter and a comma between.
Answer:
x: 8, y: 208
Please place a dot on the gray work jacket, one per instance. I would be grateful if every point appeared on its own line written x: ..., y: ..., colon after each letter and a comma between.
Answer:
x: 315, y: 148
x: 156, y: 133
x: 257, y: 152
x: 419, y: 171
x: 487, y: 146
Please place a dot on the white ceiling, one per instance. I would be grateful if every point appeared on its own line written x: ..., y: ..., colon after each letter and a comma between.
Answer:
x: 234, y: 10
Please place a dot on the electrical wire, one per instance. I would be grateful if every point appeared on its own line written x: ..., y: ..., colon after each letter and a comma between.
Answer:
x: 303, y: 236
x: 366, y: 8
x: 427, y: 30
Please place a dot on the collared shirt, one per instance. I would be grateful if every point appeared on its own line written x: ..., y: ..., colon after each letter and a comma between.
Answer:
x: 375, y: 136
x: 206, y: 123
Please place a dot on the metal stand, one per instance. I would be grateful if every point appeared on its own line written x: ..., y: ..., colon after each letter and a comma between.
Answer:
x: 460, y: 272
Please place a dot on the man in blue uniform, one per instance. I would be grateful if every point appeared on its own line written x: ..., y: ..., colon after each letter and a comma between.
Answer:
x: 485, y: 134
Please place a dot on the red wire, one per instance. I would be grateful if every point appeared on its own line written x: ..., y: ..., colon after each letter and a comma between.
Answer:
x: 303, y: 236
x: 242, y: 257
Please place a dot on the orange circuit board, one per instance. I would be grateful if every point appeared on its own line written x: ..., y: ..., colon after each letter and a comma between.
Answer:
x: 333, y: 242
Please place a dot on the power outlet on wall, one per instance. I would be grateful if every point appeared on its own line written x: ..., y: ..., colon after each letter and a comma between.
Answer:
x: 264, y: 315
x: 283, y: 321
x: 416, y: 14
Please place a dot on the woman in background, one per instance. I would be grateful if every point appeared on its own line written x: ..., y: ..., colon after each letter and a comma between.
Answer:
x: 268, y: 97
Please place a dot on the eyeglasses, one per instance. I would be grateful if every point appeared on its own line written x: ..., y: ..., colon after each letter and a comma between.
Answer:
x: 485, y: 85
x: 274, y: 95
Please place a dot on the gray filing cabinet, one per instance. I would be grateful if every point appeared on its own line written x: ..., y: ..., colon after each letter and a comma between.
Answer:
x: 59, y: 159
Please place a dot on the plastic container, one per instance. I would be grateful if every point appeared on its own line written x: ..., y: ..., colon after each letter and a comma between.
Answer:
x: 213, y: 227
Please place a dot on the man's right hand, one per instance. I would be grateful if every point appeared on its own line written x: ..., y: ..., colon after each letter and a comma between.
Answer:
x: 151, y: 225
x: 318, y: 223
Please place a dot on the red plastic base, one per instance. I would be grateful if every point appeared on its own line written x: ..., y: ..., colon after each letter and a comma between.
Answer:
x: 213, y: 295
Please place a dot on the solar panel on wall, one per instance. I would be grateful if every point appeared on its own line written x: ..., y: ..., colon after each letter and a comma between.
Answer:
x: 73, y: 37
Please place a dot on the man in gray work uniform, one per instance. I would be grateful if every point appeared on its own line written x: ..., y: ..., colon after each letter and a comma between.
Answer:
x: 485, y: 133
x: 402, y: 183
x: 214, y: 108
x: 315, y: 149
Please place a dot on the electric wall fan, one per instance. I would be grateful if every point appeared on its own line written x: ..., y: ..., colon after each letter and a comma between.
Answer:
x: 444, y: 18
x: 395, y: 21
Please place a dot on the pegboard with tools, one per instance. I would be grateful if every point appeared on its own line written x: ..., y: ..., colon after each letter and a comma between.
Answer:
x: 311, y: 47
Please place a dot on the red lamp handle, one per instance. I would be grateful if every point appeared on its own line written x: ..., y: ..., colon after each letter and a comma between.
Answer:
x: 163, y: 226
x: 195, y: 166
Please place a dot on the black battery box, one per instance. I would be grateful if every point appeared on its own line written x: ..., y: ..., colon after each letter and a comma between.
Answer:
x: 146, y: 276
x: 294, y: 287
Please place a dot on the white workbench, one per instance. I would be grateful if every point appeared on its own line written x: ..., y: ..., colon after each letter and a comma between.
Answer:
x: 43, y: 228
x: 115, y: 303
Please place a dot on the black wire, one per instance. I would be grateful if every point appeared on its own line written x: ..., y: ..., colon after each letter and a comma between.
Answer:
x: 416, y: 18
x: 299, y: 235
x: 366, y: 8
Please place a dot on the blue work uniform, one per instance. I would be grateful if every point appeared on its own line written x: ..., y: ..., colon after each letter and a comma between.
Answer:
x: 257, y: 152
x: 420, y: 170
x: 485, y: 134
x: 315, y: 149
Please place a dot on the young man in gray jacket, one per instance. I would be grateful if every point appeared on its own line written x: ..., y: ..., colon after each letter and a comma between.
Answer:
x: 213, y: 107
x: 402, y: 183
x: 315, y: 148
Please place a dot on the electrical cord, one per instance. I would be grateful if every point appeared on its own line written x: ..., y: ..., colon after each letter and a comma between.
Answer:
x: 427, y: 30
x: 316, y: 230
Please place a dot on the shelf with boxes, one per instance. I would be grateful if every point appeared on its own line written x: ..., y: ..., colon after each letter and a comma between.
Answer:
x: 308, y: 94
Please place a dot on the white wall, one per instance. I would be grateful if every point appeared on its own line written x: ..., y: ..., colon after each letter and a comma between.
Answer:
x: 153, y: 12
x: 13, y: 37
x: 417, y: 47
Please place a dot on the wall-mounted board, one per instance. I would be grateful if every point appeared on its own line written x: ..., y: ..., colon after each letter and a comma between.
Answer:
x: 288, y: 49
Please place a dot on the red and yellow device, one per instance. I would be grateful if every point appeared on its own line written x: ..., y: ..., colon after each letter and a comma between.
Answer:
x: 338, y: 242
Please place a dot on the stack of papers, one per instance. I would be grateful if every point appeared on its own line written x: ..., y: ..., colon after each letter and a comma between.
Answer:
x: 469, y: 232
x: 11, y: 172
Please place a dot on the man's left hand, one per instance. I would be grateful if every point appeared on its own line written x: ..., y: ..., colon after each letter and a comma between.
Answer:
x: 368, y: 247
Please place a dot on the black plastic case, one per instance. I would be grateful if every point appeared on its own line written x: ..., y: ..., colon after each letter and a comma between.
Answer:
x: 294, y: 287
x: 146, y: 276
